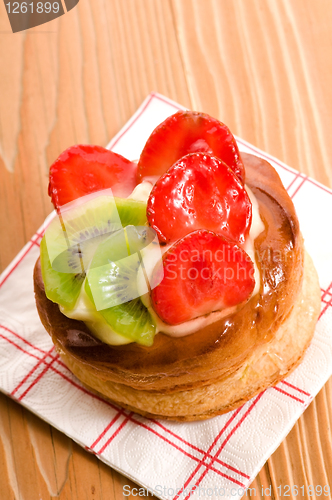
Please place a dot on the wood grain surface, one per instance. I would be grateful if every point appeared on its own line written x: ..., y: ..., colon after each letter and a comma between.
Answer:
x: 264, y: 67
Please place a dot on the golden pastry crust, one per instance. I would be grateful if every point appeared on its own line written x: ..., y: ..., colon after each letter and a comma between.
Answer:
x: 267, y: 364
x: 224, y: 364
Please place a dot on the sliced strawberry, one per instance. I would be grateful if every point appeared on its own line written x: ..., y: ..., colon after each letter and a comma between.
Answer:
x: 183, y: 133
x: 81, y: 170
x: 202, y: 273
x: 199, y: 192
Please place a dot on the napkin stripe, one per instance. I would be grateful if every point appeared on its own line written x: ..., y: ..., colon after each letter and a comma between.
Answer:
x: 325, y: 293
x: 23, y: 340
x: 280, y: 164
x: 141, y: 424
x: 208, y: 455
x: 201, y: 462
x: 168, y: 441
x: 31, y: 372
x: 58, y: 359
x: 159, y: 424
x: 272, y: 159
x: 119, y: 412
x: 33, y: 241
x: 288, y: 394
x: 223, y: 444
x: 112, y: 422
x: 298, y: 174
x: 115, y: 434
x: 37, y: 379
x: 55, y: 370
x: 320, y: 186
x: 208, y: 466
x: 18, y: 347
x: 62, y: 364
x: 295, y: 387
x: 238, y: 425
x: 265, y: 155
x: 292, y: 186
x: 304, y: 179
x: 190, y: 445
x: 329, y: 302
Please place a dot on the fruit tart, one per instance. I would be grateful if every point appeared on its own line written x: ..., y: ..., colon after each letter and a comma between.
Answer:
x: 177, y: 287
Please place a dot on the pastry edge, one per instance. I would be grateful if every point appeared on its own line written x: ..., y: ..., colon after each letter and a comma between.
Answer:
x: 265, y: 367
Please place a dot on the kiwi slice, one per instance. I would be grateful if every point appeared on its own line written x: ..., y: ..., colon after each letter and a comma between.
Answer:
x: 74, y: 235
x: 131, y: 212
x: 131, y: 319
x: 112, y: 275
x: 91, y: 236
x: 139, y: 237
x: 112, y: 283
x: 62, y: 288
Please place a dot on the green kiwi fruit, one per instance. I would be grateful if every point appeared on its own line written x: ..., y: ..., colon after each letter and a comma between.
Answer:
x: 131, y: 212
x: 131, y: 319
x: 74, y: 235
x: 70, y: 242
x: 112, y: 275
x: 94, y: 240
x: 62, y: 288
x: 112, y: 283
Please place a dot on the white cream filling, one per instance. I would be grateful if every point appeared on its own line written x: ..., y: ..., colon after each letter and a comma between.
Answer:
x: 85, y: 311
x: 257, y: 226
x: 141, y: 192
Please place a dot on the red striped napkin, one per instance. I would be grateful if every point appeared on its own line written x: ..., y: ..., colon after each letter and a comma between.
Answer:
x: 214, y: 458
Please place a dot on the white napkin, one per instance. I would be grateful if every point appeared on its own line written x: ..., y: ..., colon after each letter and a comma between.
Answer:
x: 214, y: 458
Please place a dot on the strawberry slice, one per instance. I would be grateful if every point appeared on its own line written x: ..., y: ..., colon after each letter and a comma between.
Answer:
x: 199, y: 192
x: 183, y: 133
x: 82, y: 170
x: 203, y: 272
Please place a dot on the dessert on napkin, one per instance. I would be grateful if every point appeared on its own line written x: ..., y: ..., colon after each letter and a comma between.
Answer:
x: 179, y: 287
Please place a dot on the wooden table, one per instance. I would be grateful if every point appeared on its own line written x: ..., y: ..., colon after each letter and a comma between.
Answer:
x: 264, y: 67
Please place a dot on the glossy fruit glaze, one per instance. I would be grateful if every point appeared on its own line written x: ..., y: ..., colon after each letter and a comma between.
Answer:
x: 202, y: 272
x: 183, y: 133
x: 199, y: 192
x: 81, y: 170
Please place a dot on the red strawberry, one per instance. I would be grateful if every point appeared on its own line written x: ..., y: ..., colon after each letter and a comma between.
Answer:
x: 202, y: 273
x: 81, y: 170
x: 199, y: 192
x: 183, y: 133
